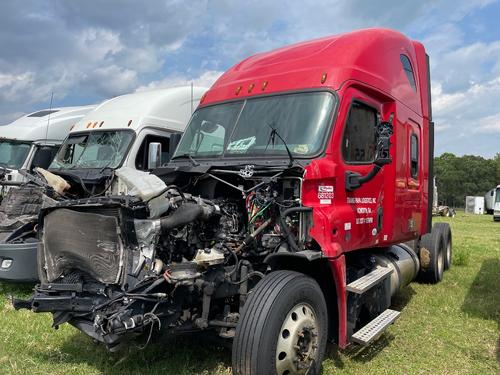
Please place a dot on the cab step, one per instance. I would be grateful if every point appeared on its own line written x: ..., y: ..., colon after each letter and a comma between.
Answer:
x: 364, y: 283
x: 372, y: 331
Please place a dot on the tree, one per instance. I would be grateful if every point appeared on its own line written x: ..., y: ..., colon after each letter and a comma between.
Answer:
x: 457, y: 177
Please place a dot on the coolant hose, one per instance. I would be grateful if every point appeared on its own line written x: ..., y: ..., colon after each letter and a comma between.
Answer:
x: 289, y: 235
x: 185, y: 214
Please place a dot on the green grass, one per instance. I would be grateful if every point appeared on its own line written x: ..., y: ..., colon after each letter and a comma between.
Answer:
x: 449, y: 328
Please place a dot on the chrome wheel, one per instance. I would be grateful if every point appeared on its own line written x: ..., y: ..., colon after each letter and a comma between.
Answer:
x: 297, y: 345
x: 440, y: 263
x: 448, y: 253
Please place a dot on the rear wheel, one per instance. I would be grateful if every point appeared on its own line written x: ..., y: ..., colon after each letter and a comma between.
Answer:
x: 432, y: 254
x: 445, y: 230
x: 283, y: 327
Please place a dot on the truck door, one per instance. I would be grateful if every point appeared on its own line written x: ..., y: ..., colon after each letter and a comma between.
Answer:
x: 413, y: 209
x: 364, y: 204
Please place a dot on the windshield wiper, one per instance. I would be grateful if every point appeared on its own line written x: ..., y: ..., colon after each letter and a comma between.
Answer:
x: 272, y: 137
x: 189, y: 156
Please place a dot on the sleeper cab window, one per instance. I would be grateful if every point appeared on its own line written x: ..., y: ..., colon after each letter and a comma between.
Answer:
x: 359, y: 141
x: 405, y: 61
x: 414, y: 156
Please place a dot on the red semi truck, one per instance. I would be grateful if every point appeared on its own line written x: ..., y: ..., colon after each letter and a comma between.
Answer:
x: 299, y: 201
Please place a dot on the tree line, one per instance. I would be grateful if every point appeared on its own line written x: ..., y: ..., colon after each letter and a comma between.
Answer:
x: 459, y: 176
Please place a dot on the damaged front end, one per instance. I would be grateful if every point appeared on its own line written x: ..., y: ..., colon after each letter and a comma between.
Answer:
x: 114, y: 271
x: 19, y: 212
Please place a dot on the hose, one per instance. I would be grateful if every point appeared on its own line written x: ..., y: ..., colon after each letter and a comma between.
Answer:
x: 289, y: 235
x: 185, y: 214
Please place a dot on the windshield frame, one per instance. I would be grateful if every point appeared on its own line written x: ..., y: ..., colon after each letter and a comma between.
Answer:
x: 88, y: 132
x: 18, y: 142
x: 233, y: 157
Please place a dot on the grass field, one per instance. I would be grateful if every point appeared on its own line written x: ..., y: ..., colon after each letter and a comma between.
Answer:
x: 449, y: 328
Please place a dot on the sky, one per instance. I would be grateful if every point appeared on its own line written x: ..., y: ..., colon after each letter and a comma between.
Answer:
x: 88, y: 51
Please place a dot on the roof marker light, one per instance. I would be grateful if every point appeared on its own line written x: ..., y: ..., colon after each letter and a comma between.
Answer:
x: 101, y: 124
x: 323, y: 77
x: 129, y: 123
x: 89, y: 125
x: 72, y: 127
x: 250, y: 88
x: 238, y: 90
x: 264, y: 85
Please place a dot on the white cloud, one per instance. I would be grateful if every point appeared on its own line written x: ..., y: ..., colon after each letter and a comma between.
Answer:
x: 490, y: 124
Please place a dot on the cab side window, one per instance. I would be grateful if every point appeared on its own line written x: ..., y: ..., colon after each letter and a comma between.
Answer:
x: 141, y: 161
x: 359, y: 141
x: 405, y: 62
x: 44, y: 156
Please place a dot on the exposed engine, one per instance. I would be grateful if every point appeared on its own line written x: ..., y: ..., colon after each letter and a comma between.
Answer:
x: 119, y: 271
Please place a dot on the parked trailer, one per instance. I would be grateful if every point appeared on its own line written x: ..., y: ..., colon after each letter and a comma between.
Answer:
x: 105, y: 152
x: 290, y: 196
x: 474, y: 205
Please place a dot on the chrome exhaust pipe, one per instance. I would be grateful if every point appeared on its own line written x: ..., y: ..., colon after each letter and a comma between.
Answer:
x: 404, y: 263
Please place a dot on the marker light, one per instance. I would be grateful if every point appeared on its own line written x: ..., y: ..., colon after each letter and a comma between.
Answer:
x: 250, y: 88
x: 129, y: 123
x: 264, y: 85
x: 323, y: 77
x: 238, y: 90
x: 101, y: 124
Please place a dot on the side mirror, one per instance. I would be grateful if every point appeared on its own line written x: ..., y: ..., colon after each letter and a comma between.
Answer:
x: 382, y: 153
x: 175, y: 138
x: 208, y: 126
x: 154, y: 155
x: 384, y: 131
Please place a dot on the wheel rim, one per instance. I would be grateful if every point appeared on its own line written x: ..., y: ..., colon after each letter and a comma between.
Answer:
x: 440, y: 263
x: 297, y: 344
x: 448, y: 253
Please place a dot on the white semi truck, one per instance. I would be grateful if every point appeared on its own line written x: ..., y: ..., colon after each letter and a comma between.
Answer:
x: 489, y: 200
x: 33, y: 140
x: 108, y: 152
x: 496, y: 204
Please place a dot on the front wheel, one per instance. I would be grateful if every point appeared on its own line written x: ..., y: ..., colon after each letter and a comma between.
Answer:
x: 283, y: 327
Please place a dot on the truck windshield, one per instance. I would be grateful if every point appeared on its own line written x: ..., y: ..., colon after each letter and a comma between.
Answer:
x: 99, y: 149
x: 13, y: 153
x: 246, y: 127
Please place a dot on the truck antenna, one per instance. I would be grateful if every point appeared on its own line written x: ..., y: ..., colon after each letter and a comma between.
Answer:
x: 192, y: 96
x: 48, y: 118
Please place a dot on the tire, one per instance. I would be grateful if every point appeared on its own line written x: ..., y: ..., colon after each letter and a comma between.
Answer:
x: 432, y: 253
x: 283, y: 306
x: 445, y: 230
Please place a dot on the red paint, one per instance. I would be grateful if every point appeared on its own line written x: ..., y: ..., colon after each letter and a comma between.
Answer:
x: 362, y: 65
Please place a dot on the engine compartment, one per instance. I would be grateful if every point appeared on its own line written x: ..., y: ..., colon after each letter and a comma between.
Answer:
x: 188, y: 268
